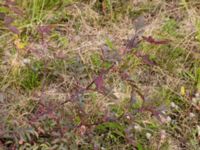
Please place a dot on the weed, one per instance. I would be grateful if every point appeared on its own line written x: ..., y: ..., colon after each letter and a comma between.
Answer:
x: 100, y: 74
x: 31, y: 76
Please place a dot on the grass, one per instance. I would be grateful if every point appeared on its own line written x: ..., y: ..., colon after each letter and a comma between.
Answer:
x: 68, y: 80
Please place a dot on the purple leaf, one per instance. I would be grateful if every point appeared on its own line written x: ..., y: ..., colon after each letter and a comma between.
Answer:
x: 145, y: 59
x: 2, y: 15
x: 151, y: 40
x: 133, y: 42
x: 45, y: 29
x: 13, y: 29
x: 124, y: 75
x: 96, y: 147
x: 8, y: 20
x: 60, y: 55
x: 99, y: 82
x: 17, y: 11
x: 109, y: 54
x: 139, y: 23
x: 10, y: 2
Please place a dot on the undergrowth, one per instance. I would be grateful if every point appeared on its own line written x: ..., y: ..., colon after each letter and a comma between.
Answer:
x: 102, y: 74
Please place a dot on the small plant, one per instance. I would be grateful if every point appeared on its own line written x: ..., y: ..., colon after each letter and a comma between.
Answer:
x: 32, y: 76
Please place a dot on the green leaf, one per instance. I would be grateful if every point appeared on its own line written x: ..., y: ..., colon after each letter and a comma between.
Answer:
x: 113, y: 127
x: 139, y: 146
x: 110, y: 44
x: 198, y: 79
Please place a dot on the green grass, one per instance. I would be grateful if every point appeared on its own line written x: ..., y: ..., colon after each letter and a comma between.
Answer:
x: 31, y: 76
x: 49, y: 93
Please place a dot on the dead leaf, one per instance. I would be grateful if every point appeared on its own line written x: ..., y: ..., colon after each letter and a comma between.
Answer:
x: 21, y: 141
x: 2, y: 98
x: 82, y: 130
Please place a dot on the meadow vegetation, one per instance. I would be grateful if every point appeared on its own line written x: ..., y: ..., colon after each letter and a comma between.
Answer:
x: 100, y: 74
